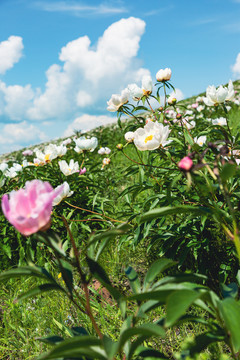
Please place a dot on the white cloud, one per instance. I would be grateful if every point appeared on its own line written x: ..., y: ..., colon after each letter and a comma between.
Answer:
x: 10, y: 52
x: 86, y: 78
x: 87, y: 122
x: 22, y: 134
x: 90, y: 74
x: 83, y: 98
x: 15, y: 100
x: 77, y: 9
x: 236, y: 66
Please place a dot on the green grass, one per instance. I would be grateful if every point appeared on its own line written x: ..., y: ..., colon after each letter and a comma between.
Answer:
x: 22, y: 323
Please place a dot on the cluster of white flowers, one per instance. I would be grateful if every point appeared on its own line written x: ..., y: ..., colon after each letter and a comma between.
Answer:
x: 104, y: 151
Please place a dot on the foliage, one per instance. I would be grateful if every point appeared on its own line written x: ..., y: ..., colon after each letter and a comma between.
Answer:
x: 185, y: 219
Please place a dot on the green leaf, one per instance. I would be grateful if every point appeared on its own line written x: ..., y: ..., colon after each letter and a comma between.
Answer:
x: 40, y: 289
x: 75, y: 347
x: 147, y: 330
x: 230, y: 311
x: 52, y: 340
x: 228, y: 171
x: 156, y: 268
x: 134, y: 280
x: 230, y: 290
x: 99, y: 273
x: 26, y: 271
x: 176, y: 210
x: 177, y: 304
x: 150, y: 353
x: 110, y: 347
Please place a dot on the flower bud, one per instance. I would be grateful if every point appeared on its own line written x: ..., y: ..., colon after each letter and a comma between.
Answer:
x: 172, y: 100
x: 119, y: 146
x: 185, y: 164
x: 164, y: 74
x: 179, y: 116
x: 160, y: 109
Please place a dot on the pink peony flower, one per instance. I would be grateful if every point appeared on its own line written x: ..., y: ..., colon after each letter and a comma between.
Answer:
x: 29, y: 209
x: 27, y: 152
x: 185, y: 164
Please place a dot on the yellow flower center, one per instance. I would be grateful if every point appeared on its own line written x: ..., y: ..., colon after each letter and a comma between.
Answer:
x: 148, y: 138
x: 46, y: 157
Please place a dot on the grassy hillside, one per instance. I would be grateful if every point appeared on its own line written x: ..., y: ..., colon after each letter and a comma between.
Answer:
x: 128, y: 213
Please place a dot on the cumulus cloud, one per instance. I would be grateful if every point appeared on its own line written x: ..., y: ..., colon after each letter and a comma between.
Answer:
x: 87, y: 122
x: 91, y: 73
x: 87, y: 76
x: 236, y: 66
x: 22, y: 134
x: 10, y: 52
x: 15, y: 100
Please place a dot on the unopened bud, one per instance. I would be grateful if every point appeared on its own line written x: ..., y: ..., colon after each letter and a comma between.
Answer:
x: 119, y: 146
x: 179, y: 116
x: 185, y: 164
x: 172, y: 100
x: 160, y: 108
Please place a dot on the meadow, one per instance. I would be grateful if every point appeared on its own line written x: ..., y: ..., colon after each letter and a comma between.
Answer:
x: 123, y: 242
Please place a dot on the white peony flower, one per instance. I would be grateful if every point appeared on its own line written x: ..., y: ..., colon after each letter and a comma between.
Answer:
x: 219, y: 121
x: 104, y: 151
x: 200, y: 108
x: 61, y: 150
x: 3, y: 167
x: 13, y: 171
x: 49, y: 153
x: 152, y: 136
x: 67, y: 141
x: 217, y: 96
x: 135, y: 92
x: 201, y: 140
x: 147, y: 85
x: 84, y: 143
x: 129, y: 136
x: 68, y: 169
x: 117, y: 100
x: 164, y: 74
x: 66, y: 192
x: 189, y: 124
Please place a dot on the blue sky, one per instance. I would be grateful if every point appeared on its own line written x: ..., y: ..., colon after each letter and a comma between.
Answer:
x: 60, y: 61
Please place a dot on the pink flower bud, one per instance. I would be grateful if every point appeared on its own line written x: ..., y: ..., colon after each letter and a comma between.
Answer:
x: 29, y: 209
x: 185, y: 164
x: 82, y: 171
